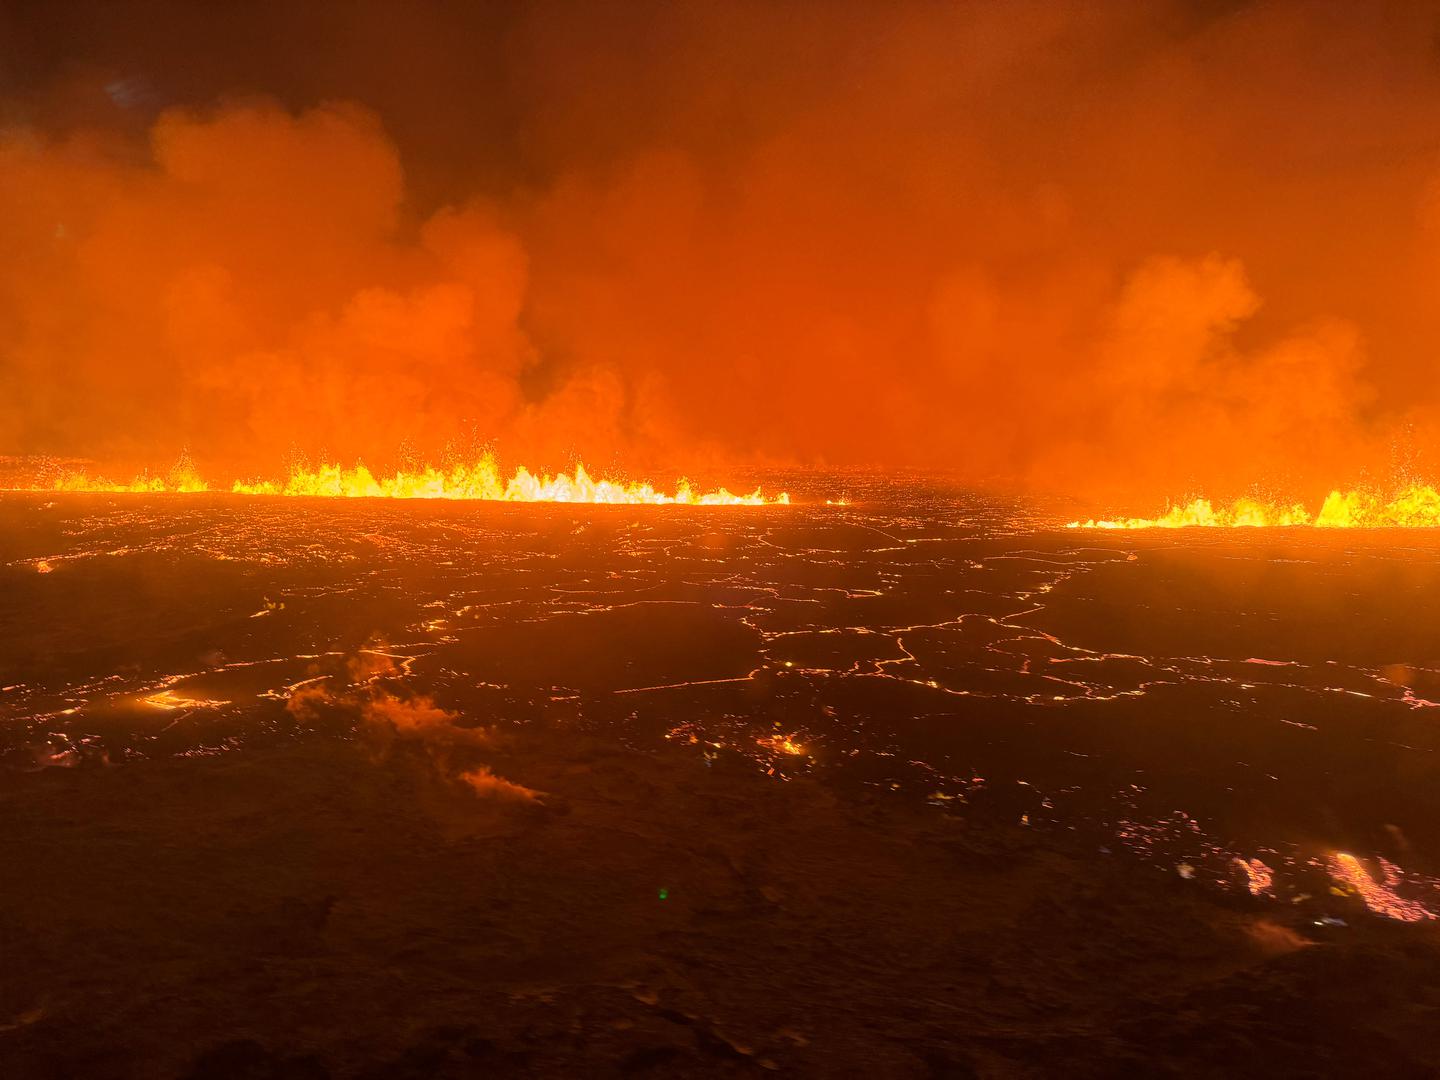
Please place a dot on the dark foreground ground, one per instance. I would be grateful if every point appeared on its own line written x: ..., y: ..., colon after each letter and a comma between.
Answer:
x: 309, y: 911
x: 918, y: 786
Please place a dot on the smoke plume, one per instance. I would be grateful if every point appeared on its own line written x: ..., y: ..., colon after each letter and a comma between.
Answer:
x: 1071, y: 246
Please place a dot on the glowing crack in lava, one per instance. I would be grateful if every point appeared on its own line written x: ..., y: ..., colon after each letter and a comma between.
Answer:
x: 1414, y: 507
x: 481, y: 480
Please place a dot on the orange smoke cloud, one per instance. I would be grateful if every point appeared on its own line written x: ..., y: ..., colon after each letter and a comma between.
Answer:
x: 1147, y: 248
x: 487, y: 785
x: 248, y: 284
x: 391, y: 720
x: 396, y: 727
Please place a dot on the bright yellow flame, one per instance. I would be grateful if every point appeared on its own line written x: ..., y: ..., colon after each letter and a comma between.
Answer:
x: 1415, y: 507
x: 483, y: 480
x: 183, y: 478
x: 480, y: 480
x: 782, y: 744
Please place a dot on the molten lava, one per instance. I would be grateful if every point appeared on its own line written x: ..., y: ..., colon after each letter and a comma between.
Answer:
x: 1351, y: 878
x: 1414, y: 507
x: 781, y: 744
x: 182, y: 478
x: 1259, y: 878
x: 480, y: 480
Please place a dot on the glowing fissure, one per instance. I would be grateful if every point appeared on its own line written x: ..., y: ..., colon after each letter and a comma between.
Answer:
x: 183, y: 478
x: 481, y: 480
x: 1414, y: 507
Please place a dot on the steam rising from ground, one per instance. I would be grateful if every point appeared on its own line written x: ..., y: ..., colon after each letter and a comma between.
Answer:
x: 1146, y: 248
x: 398, y: 727
x: 487, y: 785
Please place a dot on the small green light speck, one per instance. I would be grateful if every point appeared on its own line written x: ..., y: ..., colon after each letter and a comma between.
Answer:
x: 664, y: 894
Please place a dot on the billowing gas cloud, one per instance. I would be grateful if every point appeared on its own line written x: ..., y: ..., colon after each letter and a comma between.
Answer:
x: 1128, y: 247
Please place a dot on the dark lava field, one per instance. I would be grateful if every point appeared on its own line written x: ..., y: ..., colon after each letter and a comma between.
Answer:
x: 925, y: 784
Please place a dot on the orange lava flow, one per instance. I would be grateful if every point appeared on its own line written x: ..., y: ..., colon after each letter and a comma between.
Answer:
x: 481, y: 480
x: 781, y: 744
x: 1346, y: 871
x: 1259, y: 878
x: 1414, y: 507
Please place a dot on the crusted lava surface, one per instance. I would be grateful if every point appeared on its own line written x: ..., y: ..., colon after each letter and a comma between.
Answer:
x: 921, y: 785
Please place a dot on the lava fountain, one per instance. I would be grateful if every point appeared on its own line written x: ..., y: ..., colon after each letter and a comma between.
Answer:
x: 479, y: 480
x: 1415, y: 506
